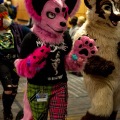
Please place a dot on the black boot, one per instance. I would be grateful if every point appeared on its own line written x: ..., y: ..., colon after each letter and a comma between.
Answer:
x: 8, y: 115
x: 20, y: 115
x: 7, y: 100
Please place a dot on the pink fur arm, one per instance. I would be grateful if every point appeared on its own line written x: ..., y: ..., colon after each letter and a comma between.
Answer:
x: 74, y: 65
x: 83, y: 48
x: 29, y: 66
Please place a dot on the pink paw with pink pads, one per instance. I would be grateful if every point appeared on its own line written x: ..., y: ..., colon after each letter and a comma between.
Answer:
x: 84, y: 47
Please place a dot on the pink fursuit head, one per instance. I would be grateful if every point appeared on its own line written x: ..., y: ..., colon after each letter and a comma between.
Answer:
x: 50, y: 17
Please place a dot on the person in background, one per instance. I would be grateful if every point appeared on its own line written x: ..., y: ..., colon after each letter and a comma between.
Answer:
x: 12, y: 10
x: 30, y: 23
x: 11, y: 35
x: 1, y: 1
x: 80, y: 21
x: 74, y: 27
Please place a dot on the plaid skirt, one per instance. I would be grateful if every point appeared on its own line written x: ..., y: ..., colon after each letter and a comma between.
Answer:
x: 52, y: 98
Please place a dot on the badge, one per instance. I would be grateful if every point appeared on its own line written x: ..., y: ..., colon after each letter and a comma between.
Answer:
x: 42, y: 97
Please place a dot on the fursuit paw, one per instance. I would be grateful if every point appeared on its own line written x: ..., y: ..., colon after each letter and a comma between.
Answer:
x: 97, y: 65
x: 38, y: 57
x: 109, y: 67
x: 84, y: 47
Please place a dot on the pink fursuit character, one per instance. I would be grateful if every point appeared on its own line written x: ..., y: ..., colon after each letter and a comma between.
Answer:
x: 46, y: 53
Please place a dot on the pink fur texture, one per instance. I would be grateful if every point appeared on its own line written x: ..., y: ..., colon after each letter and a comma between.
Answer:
x: 33, y: 63
x: 83, y: 48
x: 72, y: 65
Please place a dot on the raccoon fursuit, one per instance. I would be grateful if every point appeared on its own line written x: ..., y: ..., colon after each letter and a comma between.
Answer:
x: 102, y: 71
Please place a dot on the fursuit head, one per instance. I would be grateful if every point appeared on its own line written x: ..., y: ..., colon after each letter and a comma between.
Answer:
x: 102, y: 71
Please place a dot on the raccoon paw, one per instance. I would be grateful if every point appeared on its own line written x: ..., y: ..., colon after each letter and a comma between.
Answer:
x: 97, y: 65
x: 84, y: 47
x: 108, y: 68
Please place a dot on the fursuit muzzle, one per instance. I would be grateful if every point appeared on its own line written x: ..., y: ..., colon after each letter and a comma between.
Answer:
x: 105, y: 11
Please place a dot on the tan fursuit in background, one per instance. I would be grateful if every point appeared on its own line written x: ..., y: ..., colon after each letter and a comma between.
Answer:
x: 102, y: 71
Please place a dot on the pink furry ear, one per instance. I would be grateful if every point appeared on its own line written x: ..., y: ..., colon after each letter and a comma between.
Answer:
x: 73, y: 6
x: 34, y: 8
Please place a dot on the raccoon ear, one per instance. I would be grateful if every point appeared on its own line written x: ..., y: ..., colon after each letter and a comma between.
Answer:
x: 73, y: 6
x: 89, y: 3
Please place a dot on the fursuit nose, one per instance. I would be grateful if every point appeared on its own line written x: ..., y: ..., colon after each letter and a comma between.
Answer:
x: 116, y: 17
x: 63, y: 24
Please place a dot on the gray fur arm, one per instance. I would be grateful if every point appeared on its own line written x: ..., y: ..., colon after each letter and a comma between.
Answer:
x: 97, y: 65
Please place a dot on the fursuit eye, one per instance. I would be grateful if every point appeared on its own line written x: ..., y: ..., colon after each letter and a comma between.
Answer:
x: 107, y: 7
x: 51, y: 15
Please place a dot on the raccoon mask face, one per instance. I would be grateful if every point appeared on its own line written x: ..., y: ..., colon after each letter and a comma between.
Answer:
x: 105, y: 9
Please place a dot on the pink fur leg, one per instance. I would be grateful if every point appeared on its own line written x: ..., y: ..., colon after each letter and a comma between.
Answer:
x: 27, y: 109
